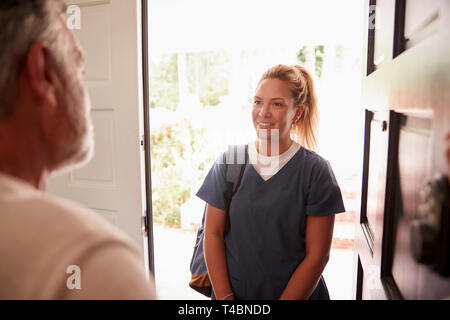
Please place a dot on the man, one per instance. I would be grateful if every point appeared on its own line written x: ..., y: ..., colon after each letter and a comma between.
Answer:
x: 51, y: 248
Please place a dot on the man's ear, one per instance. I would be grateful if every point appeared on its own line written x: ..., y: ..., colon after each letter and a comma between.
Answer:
x: 41, y: 74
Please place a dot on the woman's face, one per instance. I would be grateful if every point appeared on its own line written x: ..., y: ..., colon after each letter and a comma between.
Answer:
x: 274, y: 109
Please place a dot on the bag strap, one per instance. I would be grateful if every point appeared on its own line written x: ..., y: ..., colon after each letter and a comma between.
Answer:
x: 235, y: 161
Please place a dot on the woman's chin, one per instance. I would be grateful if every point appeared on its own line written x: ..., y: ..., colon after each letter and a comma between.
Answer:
x: 267, y: 134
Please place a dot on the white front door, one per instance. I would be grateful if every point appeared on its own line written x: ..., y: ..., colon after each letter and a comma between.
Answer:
x: 113, y: 183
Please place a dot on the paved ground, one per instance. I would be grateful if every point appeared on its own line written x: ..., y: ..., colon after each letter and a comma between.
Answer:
x: 173, y: 250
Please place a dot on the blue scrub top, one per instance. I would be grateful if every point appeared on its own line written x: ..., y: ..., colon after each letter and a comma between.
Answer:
x: 266, y: 241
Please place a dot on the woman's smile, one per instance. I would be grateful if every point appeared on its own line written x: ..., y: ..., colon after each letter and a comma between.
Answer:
x: 265, y: 125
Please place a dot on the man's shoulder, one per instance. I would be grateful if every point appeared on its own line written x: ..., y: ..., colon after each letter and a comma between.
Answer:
x: 41, y: 235
x: 48, y: 218
x: 80, y: 217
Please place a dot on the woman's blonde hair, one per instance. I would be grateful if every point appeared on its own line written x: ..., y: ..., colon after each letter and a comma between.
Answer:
x: 301, y: 84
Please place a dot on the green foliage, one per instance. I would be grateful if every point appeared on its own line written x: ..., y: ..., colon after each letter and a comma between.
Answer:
x: 207, y: 78
x: 208, y: 74
x: 319, y: 52
x: 211, y: 95
x: 179, y: 157
x: 164, y: 83
x: 179, y: 151
x: 171, y: 193
x: 301, y: 57
x: 318, y: 58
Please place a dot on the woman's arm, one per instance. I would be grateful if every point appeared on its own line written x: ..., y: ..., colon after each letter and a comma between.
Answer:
x: 214, y: 248
x: 319, y: 234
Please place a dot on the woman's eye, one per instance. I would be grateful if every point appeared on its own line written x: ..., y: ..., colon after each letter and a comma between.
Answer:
x: 257, y: 102
x: 278, y: 104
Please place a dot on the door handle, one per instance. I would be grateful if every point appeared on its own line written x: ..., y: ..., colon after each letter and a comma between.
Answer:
x: 430, y: 232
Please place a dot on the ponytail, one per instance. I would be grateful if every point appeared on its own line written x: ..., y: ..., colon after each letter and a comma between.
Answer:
x: 304, y: 131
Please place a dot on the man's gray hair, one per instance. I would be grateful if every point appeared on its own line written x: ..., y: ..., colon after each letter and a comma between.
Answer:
x: 23, y: 22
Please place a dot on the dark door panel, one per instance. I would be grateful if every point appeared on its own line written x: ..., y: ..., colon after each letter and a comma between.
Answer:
x: 407, y: 102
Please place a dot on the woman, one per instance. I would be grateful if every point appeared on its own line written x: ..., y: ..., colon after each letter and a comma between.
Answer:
x: 282, y: 216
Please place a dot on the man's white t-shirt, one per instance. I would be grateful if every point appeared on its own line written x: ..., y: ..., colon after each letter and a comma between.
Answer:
x: 54, y: 249
x: 266, y: 166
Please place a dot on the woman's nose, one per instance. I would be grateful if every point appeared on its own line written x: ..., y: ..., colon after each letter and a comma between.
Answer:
x: 265, y: 110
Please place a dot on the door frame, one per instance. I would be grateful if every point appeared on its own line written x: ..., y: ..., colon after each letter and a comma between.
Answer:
x: 147, y: 225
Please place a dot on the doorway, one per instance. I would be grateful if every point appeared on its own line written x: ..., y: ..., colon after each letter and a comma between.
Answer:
x: 205, y: 58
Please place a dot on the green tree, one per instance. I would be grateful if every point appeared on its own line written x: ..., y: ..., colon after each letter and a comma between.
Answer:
x: 301, y: 56
x: 208, y: 76
x: 318, y: 53
x: 179, y: 157
x: 164, y: 83
x: 318, y: 58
